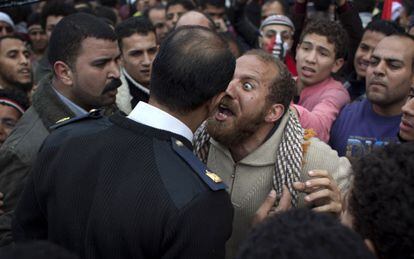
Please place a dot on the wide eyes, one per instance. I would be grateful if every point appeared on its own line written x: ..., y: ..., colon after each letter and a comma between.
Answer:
x: 248, y: 86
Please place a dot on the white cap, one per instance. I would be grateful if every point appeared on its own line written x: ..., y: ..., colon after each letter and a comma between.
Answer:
x: 6, y: 18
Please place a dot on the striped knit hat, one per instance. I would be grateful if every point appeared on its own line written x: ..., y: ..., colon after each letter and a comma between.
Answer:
x: 277, y: 20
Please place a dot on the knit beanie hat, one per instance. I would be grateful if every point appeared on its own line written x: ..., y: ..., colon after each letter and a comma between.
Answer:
x: 277, y: 20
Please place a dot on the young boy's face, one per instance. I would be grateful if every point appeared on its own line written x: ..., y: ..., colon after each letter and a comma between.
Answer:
x: 315, y: 59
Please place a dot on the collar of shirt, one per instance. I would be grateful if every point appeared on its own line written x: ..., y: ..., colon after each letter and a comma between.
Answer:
x: 149, y: 115
x: 79, y: 111
x: 135, y: 83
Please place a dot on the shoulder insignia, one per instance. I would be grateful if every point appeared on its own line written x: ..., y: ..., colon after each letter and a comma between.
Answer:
x: 62, y: 120
x: 211, y: 179
x: 93, y: 114
x: 213, y: 176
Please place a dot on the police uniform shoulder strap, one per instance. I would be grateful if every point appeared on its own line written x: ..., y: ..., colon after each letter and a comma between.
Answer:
x: 211, y: 179
x: 92, y: 114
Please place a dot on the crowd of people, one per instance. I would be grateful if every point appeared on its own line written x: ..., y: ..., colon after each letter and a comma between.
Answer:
x: 207, y: 129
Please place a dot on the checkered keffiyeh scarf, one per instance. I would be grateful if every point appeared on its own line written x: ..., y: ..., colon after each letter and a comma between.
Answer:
x: 288, y: 164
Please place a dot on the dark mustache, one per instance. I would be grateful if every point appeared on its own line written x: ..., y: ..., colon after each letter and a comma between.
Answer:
x: 114, y: 84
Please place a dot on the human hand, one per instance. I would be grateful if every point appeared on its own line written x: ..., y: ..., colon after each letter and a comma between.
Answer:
x: 268, y: 207
x: 323, y: 192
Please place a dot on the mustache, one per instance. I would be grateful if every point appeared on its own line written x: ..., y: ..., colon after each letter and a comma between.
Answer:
x: 376, y: 80
x: 114, y: 84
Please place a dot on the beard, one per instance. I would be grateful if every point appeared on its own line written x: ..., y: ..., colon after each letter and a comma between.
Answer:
x: 25, y: 87
x: 236, y: 131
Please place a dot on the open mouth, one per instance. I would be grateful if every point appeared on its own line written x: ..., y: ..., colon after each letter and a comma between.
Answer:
x: 363, y: 65
x: 24, y: 71
x: 223, y: 112
x: 307, y: 71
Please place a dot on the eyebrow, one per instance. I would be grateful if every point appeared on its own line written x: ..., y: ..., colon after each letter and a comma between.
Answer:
x: 104, y: 59
x: 12, y: 51
x: 317, y: 46
x: 389, y: 59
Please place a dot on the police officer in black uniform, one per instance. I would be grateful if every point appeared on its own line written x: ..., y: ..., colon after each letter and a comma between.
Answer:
x: 130, y: 187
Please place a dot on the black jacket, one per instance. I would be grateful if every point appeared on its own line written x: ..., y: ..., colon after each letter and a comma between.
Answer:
x: 124, y: 190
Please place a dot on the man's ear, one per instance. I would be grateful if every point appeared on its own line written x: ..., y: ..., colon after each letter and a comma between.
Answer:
x: 260, y: 41
x: 274, y: 113
x: 63, y: 73
x: 370, y: 246
x: 297, y: 51
x: 337, y: 65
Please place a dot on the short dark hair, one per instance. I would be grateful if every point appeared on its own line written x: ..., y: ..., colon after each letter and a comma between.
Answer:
x: 159, y: 6
x: 385, y: 27
x: 140, y: 24
x: 110, y: 3
x: 187, y: 4
x: 36, y: 250
x: 68, y: 35
x: 34, y: 18
x: 332, y: 30
x: 281, y: 2
x: 366, y: 6
x: 216, y: 3
x: 192, y: 66
x: 12, y: 36
x: 283, y: 87
x: 106, y: 13
x: 303, y: 234
x: 16, y: 95
x: 55, y: 8
x: 381, y: 200
x: 322, y: 5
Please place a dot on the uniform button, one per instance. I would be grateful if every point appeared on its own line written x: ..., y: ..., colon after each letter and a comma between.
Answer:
x: 233, y: 175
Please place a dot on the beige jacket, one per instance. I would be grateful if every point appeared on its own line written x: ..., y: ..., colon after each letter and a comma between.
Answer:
x: 251, y: 179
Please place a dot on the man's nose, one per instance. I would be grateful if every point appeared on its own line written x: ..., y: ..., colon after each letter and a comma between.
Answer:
x: 231, y: 89
x: 114, y: 70
x: 311, y: 56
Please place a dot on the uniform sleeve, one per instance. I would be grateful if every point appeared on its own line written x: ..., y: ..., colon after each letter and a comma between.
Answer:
x: 322, y: 116
x: 201, y: 228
